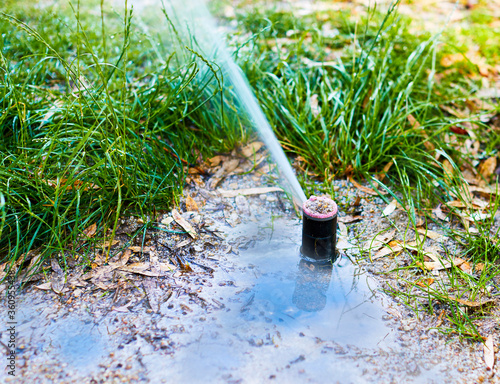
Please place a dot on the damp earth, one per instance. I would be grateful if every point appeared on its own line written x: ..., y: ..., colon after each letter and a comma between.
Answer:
x: 239, y: 305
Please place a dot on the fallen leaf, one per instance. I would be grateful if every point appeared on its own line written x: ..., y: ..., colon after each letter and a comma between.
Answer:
x: 381, y: 176
x: 215, y: 161
x: 442, y: 264
x: 482, y: 190
x: 489, y: 352
x: 184, y: 224
x: 251, y: 149
x: 138, y: 249
x: 380, y: 240
x: 344, y: 244
x: 465, y: 266
x: 248, y: 191
x: 44, y: 286
x: 364, y: 189
x: 90, y: 231
x: 391, y: 207
x: 439, y: 213
x: 109, y: 243
x: 430, y: 234
x: 57, y: 280
x: 448, y: 171
x: 473, y: 304
x: 191, y: 204
x: 425, y: 282
x: 388, y: 249
x: 479, y: 267
x: 167, y: 221
x: 349, y: 219
x: 343, y: 229
x: 488, y: 167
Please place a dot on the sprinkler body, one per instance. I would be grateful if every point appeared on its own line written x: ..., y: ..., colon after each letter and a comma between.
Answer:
x: 319, y: 229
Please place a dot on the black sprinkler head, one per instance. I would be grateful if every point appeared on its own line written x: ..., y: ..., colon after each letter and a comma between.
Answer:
x: 319, y: 229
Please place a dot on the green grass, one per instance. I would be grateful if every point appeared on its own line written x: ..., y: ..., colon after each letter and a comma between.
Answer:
x: 95, y: 123
x: 100, y: 115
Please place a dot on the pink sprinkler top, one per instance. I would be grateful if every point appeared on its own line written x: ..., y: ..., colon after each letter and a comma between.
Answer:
x: 320, y: 207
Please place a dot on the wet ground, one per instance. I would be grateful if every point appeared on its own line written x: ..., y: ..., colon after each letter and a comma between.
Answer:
x: 239, y: 306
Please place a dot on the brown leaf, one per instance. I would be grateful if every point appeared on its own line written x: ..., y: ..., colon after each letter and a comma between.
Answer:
x: 465, y: 266
x: 90, y: 231
x: 392, y: 247
x: 45, y: 286
x: 251, y: 149
x: 380, y: 240
x: 425, y: 282
x: 479, y: 267
x: 448, y: 170
x: 451, y: 59
x: 138, y: 249
x: 439, y: 213
x: 430, y: 234
x: 57, y: 280
x: 442, y: 264
x: 349, y: 219
x: 215, y: 161
x: 364, y: 189
x: 184, y: 224
x: 191, y: 204
x: 416, y: 125
x: 488, y: 167
x: 489, y: 352
x: 381, y: 175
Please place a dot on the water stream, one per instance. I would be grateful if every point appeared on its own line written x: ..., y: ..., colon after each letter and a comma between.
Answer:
x: 197, y: 28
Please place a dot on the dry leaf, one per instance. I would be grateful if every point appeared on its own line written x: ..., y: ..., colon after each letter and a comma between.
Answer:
x: 349, y: 219
x: 167, y: 221
x: 442, y: 264
x: 138, y: 249
x: 489, y: 352
x: 381, y: 175
x: 448, y: 170
x: 215, y: 161
x: 191, y: 204
x: 248, y: 191
x: 251, y: 149
x: 439, y: 213
x: 488, y: 167
x: 364, y: 189
x: 479, y: 267
x: 44, y: 286
x: 425, y: 282
x: 90, y: 231
x: 109, y: 243
x: 465, y: 266
x: 380, y: 240
x: 57, y: 279
x: 430, y: 234
x: 392, y: 247
x: 391, y: 207
x: 184, y: 224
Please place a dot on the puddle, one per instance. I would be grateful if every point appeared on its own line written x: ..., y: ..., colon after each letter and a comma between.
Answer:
x: 264, y: 315
x: 281, y: 316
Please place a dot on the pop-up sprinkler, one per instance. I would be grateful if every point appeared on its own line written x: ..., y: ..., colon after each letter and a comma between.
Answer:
x: 319, y: 229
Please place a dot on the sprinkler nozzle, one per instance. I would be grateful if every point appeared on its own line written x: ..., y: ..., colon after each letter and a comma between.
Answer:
x: 319, y: 229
